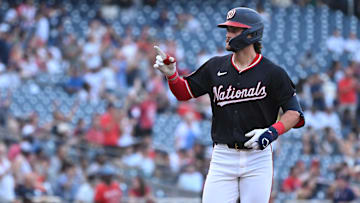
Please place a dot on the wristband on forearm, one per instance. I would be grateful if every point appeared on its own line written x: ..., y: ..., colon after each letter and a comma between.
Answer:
x: 173, y: 76
x: 279, y: 127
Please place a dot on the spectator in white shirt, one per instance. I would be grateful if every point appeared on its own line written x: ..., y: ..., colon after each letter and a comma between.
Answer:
x: 314, y: 118
x: 352, y: 44
x: 335, y: 43
x: 191, y: 179
x: 85, y: 194
x: 42, y: 27
x: 331, y: 119
x: 7, y: 185
x: 187, y: 132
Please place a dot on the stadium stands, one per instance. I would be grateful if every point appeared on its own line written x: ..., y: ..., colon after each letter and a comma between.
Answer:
x: 289, y: 34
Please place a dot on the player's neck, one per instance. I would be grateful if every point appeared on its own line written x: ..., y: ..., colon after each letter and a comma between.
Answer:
x: 243, y: 58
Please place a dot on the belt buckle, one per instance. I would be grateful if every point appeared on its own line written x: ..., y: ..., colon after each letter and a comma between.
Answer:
x: 237, y: 146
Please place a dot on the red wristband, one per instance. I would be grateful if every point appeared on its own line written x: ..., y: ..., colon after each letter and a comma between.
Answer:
x: 279, y: 126
x: 173, y: 76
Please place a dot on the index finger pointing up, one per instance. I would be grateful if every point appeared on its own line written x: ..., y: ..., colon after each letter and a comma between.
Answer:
x: 160, y: 52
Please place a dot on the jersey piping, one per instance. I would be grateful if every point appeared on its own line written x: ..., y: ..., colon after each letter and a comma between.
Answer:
x: 188, y: 88
x: 256, y: 60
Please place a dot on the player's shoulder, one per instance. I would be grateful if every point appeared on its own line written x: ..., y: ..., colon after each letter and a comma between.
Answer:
x: 270, y: 65
x: 220, y: 59
x: 214, y: 61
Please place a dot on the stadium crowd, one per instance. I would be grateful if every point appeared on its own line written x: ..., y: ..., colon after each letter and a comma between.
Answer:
x: 77, y: 161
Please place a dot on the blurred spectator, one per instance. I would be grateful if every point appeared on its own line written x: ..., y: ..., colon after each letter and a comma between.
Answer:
x: 85, y: 193
x: 80, y: 128
x: 178, y: 160
x: 330, y: 91
x: 94, y: 79
x: 265, y: 15
x: 312, y: 182
x: 148, y: 107
x: 71, y: 51
x: 27, y: 191
x: 7, y: 183
x: 4, y: 107
x: 163, y: 20
x: 330, y: 144
x: 282, y: 3
x: 292, y: 182
x: 140, y: 156
x: 335, y: 43
x: 129, y: 48
x: 140, y: 191
x: 310, y: 142
x: 110, y: 126
x: 28, y: 66
x: 42, y: 26
x: 192, y: 25
x: 21, y: 164
x: 340, y: 190
x: 301, y: 169
x: 97, y: 164
x: 67, y: 183
x: 75, y: 82
x: 314, y: 118
x: 162, y: 167
x: 95, y: 134
x: 317, y: 92
x: 347, y: 95
x: 187, y: 132
x: 307, y: 190
x: 57, y: 161
x: 331, y: 119
x: 108, y: 189
x: 119, y: 64
x: 308, y: 61
x: 336, y: 71
x: 352, y: 44
x: 4, y: 43
x: 348, y: 148
x: 109, y: 77
x: 191, y: 179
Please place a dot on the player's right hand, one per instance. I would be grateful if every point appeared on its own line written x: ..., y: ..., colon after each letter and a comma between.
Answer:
x: 165, y: 63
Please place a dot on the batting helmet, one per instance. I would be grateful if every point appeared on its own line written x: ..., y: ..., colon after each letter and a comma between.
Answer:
x: 244, y: 18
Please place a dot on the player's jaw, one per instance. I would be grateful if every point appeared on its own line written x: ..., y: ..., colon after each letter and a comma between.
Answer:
x: 227, y: 46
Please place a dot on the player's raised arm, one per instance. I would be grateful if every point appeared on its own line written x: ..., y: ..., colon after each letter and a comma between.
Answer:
x: 167, y: 65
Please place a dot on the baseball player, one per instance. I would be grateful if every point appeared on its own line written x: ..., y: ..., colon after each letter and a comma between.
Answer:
x: 247, y: 91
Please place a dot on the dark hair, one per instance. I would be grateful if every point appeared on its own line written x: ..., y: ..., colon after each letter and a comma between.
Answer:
x: 106, y: 178
x: 142, y: 186
x: 258, y: 46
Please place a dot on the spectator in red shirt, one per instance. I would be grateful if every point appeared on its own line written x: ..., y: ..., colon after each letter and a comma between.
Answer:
x: 291, y: 183
x: 108, y: 190
x: 95, y: 134
x: 146, y: 121
x: 140, y: 191
x: 110, y: 125
x: 347, y: 92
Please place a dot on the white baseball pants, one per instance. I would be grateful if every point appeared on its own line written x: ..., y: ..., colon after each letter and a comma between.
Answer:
x: 232, y: 174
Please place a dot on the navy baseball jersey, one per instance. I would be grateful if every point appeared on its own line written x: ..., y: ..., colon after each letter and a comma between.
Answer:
x: 241, y: 100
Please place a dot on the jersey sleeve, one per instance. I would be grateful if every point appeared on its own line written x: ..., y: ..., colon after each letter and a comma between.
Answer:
x: 282, y: 86
x: 198, y: 81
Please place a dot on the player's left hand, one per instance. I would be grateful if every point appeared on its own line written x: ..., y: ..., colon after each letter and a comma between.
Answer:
x: 261, y: 138
x: 165, y: 63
